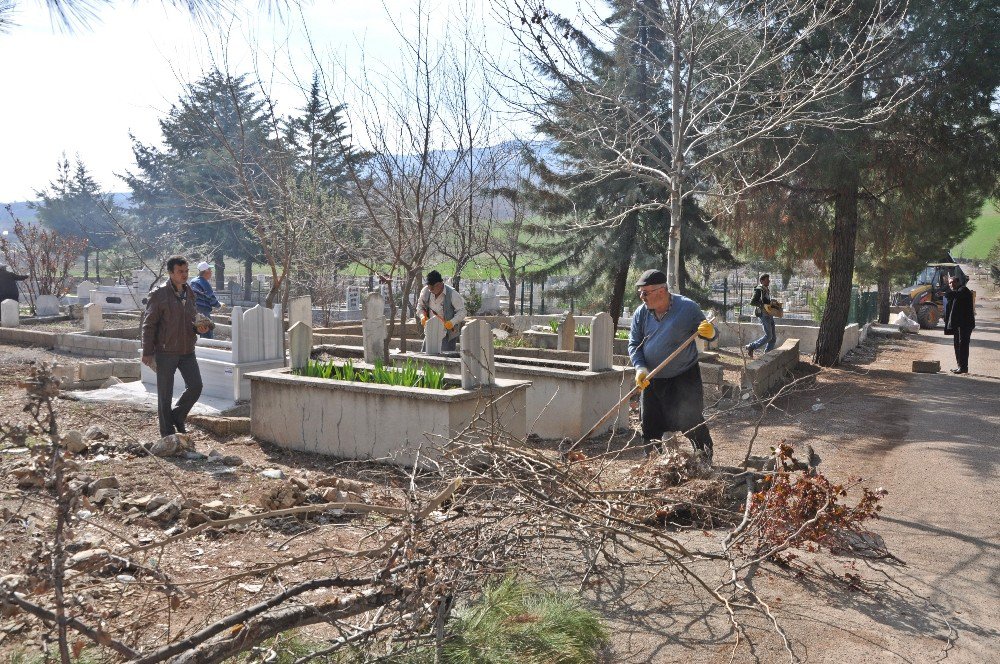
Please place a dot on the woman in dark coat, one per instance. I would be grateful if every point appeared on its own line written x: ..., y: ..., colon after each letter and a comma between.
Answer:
x: 8, y: 284
x: 960, y: 320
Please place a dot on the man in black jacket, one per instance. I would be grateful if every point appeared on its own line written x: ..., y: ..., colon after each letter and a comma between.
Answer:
x: 960, y: 320
x: 8, y: 284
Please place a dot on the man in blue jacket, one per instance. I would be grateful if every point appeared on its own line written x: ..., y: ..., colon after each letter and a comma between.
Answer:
x: 205, y: 299
x: 673, y: 400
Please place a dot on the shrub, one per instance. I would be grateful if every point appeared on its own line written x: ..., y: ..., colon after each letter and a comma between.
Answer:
x: 515, y: 622
x: 817, y: 304
x: 473, y: 301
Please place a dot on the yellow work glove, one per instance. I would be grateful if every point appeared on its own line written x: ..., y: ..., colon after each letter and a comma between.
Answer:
x: 640, y: 378
x: 423, y: 321
x: 706, y: 330
x: 448, y: 325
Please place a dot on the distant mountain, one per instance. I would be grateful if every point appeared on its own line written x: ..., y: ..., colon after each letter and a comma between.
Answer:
x: 23, y: 211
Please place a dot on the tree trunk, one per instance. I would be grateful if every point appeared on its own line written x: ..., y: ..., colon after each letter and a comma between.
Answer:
x: 883, y: 296
x: 86, y: 263
x: 677, y: 165
x: 512, y: 291
x: 97, y: 264
x: 219, y: 258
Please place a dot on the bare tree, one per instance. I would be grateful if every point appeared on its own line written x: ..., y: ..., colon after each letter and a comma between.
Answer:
x: 719, y: 77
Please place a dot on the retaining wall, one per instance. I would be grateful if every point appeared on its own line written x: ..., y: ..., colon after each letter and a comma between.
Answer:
x: 740, y: 334
x: 772, y: 369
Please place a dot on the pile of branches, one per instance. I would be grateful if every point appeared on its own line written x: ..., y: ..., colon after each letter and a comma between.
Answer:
x: 477, y: 507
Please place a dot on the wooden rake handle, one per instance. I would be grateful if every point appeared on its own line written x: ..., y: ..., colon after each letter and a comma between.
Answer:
x: 614, y: 409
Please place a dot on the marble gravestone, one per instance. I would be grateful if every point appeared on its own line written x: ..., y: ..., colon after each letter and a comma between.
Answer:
x: 567, y: 333
x: 373, y: 327
x: 299, y: 344
x: 299, y: 310
x: 477, y: 355
x: 83, y: 291
x: 10, y: 315
x: 602, y: 342
x: 93, y: 317
x: 433, y: 336
x: 46, y: 305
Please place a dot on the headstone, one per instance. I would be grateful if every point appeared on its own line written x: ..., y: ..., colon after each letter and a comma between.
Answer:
x: 299, y: 310
x: 373, y: 327
x: 93, y: 318
x: 142, y: 281
x: 433, y: 335
x: 353, y: 298
x: 477, y: 355
x: 10, y: 315
x: 602, y: 344
x: 46, y: 305
x: 491, y: 301
x: 567, y: 333
x: 83, y: 291
x: 257, y: 335
x: 299, y: 344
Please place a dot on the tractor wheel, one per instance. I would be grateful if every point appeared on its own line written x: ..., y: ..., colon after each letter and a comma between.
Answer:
x: 928, y: 316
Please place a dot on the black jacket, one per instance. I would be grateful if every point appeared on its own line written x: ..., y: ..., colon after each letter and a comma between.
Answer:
x: 959, y: 311
x: 8, y: 285
x: 761, y: 296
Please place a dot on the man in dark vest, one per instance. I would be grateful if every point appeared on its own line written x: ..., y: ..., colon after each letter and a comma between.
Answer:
x: 959, y: 321
x: 439, y: 299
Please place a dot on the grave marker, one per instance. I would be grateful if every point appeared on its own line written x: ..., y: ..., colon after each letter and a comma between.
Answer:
x: 93, y: 317
x: 602, y: 342
x: 373, y: 327
x: 299, y: 344
x: 433, y: 336
x: 299, y: 311
x: 46, y: 305
x: 10, y: 315
x: 567, y: 333
x: 83, y: 291
x: 477, y: 355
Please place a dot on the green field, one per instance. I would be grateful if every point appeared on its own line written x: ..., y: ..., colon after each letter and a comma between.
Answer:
x: 987, y: 231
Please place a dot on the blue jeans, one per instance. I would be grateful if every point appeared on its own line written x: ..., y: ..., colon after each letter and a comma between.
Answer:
x: 769, y: 338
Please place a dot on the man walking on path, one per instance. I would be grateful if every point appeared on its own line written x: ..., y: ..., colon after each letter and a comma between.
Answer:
x: 205, y: 299
x: 168, y: 338
x: 761, y: 300
x: 439, y: 299
x: 674, y: 399
x: 960, y: 320
x: 8, y: 284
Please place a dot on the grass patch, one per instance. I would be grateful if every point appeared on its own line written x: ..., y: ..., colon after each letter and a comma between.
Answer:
x: 987, y: 231
x: 516, y: 622
x: 409, y: 375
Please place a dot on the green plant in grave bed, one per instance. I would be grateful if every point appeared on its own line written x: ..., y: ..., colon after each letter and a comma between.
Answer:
x: 583, y: 330
x: 554, y: 325
x: 409, y: 375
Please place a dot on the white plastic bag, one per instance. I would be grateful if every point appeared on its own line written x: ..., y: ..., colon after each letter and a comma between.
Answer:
x: 905, y: 323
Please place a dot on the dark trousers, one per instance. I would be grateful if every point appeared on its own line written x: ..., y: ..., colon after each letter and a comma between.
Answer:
x: 963, y: 335
x: 676, y: 404
x: 166, y: 365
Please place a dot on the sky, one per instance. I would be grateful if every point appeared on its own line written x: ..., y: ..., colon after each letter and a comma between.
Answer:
x: 84, y: 91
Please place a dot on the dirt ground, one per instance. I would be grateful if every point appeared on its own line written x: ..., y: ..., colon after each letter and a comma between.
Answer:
x: 930, y: 440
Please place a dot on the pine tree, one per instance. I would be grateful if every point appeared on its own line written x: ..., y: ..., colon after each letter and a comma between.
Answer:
x: 191, y: 186
x: 601, y: 226
x: 74, y: 205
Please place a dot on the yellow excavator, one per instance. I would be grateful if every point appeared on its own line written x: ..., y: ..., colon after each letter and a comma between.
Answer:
x: 926, y: 295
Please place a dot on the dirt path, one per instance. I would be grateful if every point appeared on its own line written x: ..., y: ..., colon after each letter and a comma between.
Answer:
x: 934, y: 442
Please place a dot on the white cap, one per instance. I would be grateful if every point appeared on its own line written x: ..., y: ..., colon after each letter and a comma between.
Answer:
x: 202, y: 266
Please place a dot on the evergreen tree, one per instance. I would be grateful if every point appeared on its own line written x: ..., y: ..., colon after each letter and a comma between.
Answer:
x: 601, y: 225
x: 74, y: 205
x: 192, y: 186
x: 321, y: 145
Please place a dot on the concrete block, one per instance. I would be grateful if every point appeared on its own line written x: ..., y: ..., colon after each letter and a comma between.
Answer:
x: 711, y: 374
x: 926, y: 366
x: 125, y: 369
x: 95, y: 371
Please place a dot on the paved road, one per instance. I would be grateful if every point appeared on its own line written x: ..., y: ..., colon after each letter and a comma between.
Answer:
x: 944, y: 516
